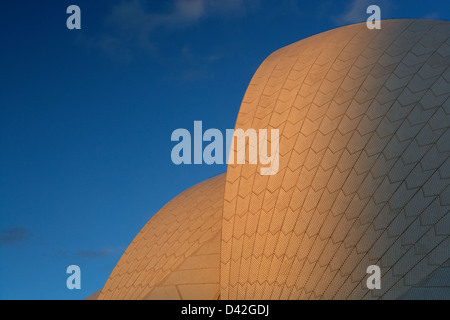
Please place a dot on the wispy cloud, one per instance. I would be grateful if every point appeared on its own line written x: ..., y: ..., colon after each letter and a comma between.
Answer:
x: 130, y: 25
x: 14, y: 235
x: 432, y: 16
x: 196, y: 66
x: 94, y: 253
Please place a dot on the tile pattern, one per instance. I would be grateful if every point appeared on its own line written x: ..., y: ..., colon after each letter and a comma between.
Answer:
x: 176, y: 254
x: 364, y: 174
x: 436, y: 286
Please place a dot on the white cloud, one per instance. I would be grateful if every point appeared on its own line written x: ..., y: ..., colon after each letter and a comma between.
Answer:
x: 130, y: 24
x: 187, y: 10
x: 182, y: 12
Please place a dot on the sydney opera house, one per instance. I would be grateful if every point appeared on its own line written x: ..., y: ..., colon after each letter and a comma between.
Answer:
x: 363, y: 179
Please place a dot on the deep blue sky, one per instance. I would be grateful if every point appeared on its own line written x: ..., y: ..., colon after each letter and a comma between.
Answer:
x: 86, y: 116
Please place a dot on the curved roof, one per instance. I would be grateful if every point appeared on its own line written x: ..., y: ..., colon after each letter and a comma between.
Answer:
x: 363, y: 179
x: 176, y: 254
x: 364, y: 172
